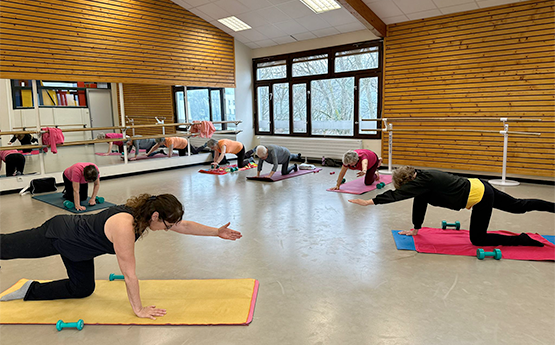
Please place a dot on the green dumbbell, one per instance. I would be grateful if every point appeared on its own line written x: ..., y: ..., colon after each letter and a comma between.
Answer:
x: 61, y: 325
x: 68, y: 204
x: 380, y: 185
x: 456, y: 224
x: 343, y: 181
x: 113, y: 277
x: 481, y: 254
x: 99, y: 200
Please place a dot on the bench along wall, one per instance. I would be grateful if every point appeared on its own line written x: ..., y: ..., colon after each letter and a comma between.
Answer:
x: 495, y: 62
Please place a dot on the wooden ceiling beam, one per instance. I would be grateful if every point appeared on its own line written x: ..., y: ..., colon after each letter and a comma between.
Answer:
x: 366, y: 16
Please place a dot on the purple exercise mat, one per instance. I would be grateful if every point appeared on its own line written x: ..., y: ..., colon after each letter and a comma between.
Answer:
x: 358, y: 187
x: 278, y: 176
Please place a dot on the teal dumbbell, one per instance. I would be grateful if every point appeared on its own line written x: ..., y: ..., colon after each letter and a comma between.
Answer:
x: 61, y: 325
x: 99, y: 200
x: 69, y: 204
x: 380, y: 185
x: 456, y: 224
x: 343, y: 181
x: 113, y: 277
x: 481, y: 254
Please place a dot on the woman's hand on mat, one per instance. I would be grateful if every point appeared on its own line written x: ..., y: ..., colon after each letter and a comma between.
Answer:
x: 361, y: 173
x: 92, y: 201
x: 361, y: 202
x: 335, y: 188
x: 150, y: 312
x: 410, y: 232
x: 228, y: 234
x: 80, y: 208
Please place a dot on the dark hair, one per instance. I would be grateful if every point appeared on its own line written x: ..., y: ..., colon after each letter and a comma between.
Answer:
x: 90, y: 173
x: 402, y: 175
x: 168, y: 207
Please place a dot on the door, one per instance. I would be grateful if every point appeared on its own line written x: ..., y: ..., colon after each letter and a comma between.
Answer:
x: 100, y: 109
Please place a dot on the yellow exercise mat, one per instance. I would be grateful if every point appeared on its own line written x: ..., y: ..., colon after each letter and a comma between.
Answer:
x: 187, y: 302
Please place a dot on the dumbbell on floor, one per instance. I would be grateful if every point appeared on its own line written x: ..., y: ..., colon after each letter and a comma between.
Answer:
x: 481, y: 254
x: 113, y: 277
x: 456, y: 224
x: 61, y: 325
x: 380, y: 185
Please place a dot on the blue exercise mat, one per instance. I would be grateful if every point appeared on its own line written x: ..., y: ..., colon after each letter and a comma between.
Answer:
x: 56, y: 199
x: 404, y: 242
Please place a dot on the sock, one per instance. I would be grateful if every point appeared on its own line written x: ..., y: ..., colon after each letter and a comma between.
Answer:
x: 18, y: 294
x: 525, y: 240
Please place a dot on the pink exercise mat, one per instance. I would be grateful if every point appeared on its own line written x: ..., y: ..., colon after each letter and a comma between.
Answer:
x: 278, y: 176
x: 457, y: 242
x: 358, y: 187
x: 109, y: 154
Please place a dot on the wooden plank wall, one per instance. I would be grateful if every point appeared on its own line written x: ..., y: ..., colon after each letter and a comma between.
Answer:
x: 128, y: 41
x: 143, y: 103
x: 494, y: 62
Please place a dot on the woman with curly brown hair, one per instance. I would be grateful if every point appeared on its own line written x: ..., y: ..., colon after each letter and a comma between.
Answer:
x: 78, y: 239
x: 446, y: 190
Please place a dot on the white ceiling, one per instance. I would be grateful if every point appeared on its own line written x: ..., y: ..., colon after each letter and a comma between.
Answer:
x: 276, y: 22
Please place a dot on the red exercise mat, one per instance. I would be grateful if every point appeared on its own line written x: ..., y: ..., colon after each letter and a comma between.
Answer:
x: 358, y: 187
x: 457, y: 242
x: 225, y: 170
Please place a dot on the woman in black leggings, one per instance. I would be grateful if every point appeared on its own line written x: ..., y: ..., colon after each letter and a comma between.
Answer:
x: 79, y: 239
x: 442, y: 189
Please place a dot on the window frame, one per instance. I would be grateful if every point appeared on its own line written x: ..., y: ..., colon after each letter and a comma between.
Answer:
x: 331, y: 74
x: 184, y: 89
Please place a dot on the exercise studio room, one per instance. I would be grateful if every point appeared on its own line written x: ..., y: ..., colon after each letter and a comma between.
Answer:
x: 277, y: 172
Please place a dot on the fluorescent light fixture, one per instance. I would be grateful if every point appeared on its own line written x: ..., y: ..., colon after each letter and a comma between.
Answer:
x: 234, y: 23
x: 321, y: 6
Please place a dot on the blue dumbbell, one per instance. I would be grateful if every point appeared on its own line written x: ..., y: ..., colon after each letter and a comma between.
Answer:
x: 481, y: 254
x: 113, y: 277
x: 61, y: 325
x: 456, y: 224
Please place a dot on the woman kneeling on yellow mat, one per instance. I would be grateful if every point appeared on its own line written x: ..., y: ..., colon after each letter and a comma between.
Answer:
x: 79, y: 239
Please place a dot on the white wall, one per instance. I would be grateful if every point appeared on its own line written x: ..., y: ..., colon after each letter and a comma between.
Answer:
x: 244, y: 94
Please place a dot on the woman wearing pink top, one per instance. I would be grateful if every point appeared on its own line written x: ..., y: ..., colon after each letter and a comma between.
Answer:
x: 366, y: 161
x: 15, y: 162
x: 76, y: 182
x: 112, y: 143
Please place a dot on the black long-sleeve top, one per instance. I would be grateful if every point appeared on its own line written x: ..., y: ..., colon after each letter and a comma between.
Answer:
x: 432, y: 187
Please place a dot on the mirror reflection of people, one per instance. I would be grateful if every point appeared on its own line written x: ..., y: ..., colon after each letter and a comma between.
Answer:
x: 140, y: 144
x: 223, y: 146
x: 276, y: 155
x: 366, y: 161
x: 174, y: 143
x: 79, y: 239
x: 76, y: 182
x: 15, y: 162
x: 24, y: 139
x: 450, y: 191
x: 112, y: 143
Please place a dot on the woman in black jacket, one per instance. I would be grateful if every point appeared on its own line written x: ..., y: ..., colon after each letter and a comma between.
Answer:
x: 442, y: 189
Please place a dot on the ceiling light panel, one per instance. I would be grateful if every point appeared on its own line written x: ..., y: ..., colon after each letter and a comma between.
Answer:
x: 321, y: 6
x: 234, y: 23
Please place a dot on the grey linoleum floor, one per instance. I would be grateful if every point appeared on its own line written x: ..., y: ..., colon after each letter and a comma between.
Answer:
x: 329, y: 270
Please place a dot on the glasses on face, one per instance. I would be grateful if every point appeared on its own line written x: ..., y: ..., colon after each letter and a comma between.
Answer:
x: 168, y: 227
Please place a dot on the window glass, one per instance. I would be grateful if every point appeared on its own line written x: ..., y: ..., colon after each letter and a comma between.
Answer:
x: 299, y: 108
x: 198, y: 106
x: 356, y: 60
x: 271, y: 70
x: 229, y: 97
x: 216, y: 104
x: 180, y: 106
x: 332, y: 106
x: 311, y: 65
x: 368, y: 104
x: 263, y: 101
x: 281, y: 108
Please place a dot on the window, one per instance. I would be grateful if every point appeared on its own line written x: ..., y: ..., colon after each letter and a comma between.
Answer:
x: 205, y: 104
x: 52, y: 93
x: 324, y: 93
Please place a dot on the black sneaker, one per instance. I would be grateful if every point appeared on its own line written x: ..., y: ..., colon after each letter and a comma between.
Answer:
x: 295, y: 168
